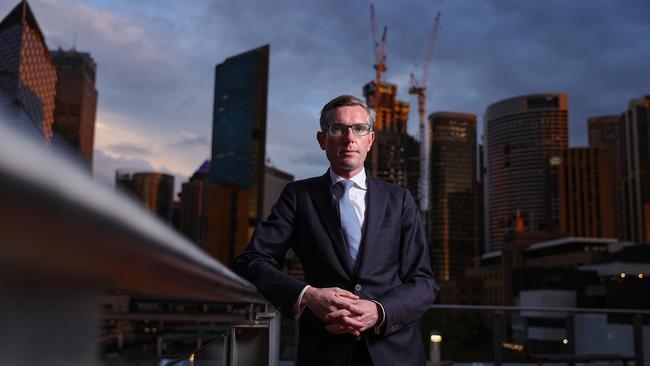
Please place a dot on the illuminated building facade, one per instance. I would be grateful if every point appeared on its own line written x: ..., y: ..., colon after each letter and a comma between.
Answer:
x: 524, y: 135
x: 604, y: 133
x: 236, y: 198
x: 154, y: 190
x: 454, y: 208
x: 27, y: 72
x: 192, y: 205
x: 76, y: 100
x: 395, y: 154
x: 585, y: 182
x: 635, y: 160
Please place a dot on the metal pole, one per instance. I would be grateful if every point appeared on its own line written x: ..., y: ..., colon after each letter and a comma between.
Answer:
x: 638, y: 339
x: 570, y: 336
x: 498, y: 338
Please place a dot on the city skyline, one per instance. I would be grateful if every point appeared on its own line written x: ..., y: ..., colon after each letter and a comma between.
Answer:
x: 156, y: 64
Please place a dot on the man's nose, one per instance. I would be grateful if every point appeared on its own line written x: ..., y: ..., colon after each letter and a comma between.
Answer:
x: 349, y: 135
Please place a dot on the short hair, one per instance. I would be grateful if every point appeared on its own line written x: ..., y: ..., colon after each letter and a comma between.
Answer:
x: 345, y: 101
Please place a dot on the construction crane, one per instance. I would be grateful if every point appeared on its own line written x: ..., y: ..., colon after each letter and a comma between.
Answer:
x: 418, y: 87
x: 379, y: 46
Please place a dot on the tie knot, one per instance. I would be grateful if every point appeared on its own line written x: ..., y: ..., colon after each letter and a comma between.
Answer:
x: 346, y: 184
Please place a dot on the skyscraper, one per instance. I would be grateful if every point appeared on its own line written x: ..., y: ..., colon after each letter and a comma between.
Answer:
x: 192, y: 205
x: 585, y: 182
x: 524, y: 135
x: 76, y: 100
x: 454, y: 216
x: 635, y: 159
x: 27, y: 72
x: 395, y: 155
x: 274, y: 182
x: 604, y: 133
x: 154, y: 190
x: 238, y: 152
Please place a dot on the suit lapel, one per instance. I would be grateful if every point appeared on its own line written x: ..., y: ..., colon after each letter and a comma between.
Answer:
x: 375, y: 211
x: 322, y: 197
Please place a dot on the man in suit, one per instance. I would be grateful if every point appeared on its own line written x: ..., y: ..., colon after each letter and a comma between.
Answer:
x: 368, y: 277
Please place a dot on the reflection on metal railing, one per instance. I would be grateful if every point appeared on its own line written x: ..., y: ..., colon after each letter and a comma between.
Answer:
x: 66, y: 239
x: 512, y: 334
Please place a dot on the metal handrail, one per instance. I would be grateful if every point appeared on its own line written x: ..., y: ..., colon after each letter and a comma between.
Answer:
x: 61, y: 228
x: 541, y: 309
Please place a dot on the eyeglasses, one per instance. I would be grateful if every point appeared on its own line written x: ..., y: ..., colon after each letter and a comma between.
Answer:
x: 339, y: 129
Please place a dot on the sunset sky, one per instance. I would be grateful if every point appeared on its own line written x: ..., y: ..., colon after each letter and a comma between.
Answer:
x: 156, y: 64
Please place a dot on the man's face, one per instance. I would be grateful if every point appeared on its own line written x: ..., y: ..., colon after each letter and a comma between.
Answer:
x: 347, y: 152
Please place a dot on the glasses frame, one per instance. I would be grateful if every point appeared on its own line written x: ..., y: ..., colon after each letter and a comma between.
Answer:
x: 331, y: 126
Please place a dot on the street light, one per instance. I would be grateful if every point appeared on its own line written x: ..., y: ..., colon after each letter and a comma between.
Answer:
x: 434, y: 348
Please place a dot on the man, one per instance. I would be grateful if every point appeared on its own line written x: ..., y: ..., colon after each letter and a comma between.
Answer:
x: 363, y: 251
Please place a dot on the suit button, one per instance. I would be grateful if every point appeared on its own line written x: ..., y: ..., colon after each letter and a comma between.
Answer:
x: 357, y: 287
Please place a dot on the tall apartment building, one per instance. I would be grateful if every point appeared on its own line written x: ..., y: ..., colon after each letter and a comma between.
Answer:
x: 236, y: 193
x: 585, y: 185
x: 395, y: 154
x: 27, y: 72
x: 76, y: 100
x: 454, y: 217
x: 192, y: 218
x: 604, y: 133
x: 635, y: 161
x: 524, y: 135
x: 154, y: 190
x: 274, y: 182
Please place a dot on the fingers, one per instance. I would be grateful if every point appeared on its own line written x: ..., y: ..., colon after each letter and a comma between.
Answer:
x: 337, y: 314
x: 351, y: 323
x: 347, y: 294
x: 338, y: 328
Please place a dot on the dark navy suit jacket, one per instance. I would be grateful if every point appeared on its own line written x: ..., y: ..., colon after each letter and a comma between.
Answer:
x: 394, y: 268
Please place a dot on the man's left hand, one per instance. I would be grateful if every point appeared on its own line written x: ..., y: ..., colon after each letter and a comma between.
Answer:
x: 353, y: 320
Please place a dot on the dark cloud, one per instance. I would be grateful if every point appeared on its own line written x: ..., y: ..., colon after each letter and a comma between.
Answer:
x: 128, y: 149
x: 192, y: 141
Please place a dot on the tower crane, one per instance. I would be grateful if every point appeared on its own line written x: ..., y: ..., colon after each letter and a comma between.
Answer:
x: 379, y: 45
x: 418, y: 87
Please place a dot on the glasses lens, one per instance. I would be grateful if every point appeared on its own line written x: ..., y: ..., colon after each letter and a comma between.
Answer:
x: 360, y: 130
x: 338, y: 129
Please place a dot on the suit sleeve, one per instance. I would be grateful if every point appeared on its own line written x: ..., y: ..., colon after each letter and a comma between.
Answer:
x: 261, y: 262
x: 407, y: 302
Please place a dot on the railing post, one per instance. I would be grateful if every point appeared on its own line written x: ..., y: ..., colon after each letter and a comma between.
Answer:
x: 498, y: 337
x: 638, y: 339
x: 571, y: 336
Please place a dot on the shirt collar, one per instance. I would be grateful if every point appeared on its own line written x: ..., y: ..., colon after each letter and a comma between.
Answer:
x: 359, y: 179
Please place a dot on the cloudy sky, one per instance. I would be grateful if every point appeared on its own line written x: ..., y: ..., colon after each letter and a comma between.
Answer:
x: 156, y: 62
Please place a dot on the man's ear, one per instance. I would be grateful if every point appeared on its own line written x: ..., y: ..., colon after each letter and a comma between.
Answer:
x: 372, y: 139
x: 320, y: 136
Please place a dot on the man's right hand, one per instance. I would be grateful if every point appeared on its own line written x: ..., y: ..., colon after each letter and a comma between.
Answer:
x: 322, y: 301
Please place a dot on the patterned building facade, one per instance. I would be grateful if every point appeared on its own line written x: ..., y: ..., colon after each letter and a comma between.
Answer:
x: 27, y: 71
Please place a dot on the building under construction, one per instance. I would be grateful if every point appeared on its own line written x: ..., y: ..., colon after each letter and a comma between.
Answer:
x: 395, y: 155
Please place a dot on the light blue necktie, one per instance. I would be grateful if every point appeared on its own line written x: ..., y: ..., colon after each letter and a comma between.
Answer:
x: 349, y: 220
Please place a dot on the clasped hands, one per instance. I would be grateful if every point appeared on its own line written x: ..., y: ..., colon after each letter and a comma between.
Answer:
x: 343, y: 311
